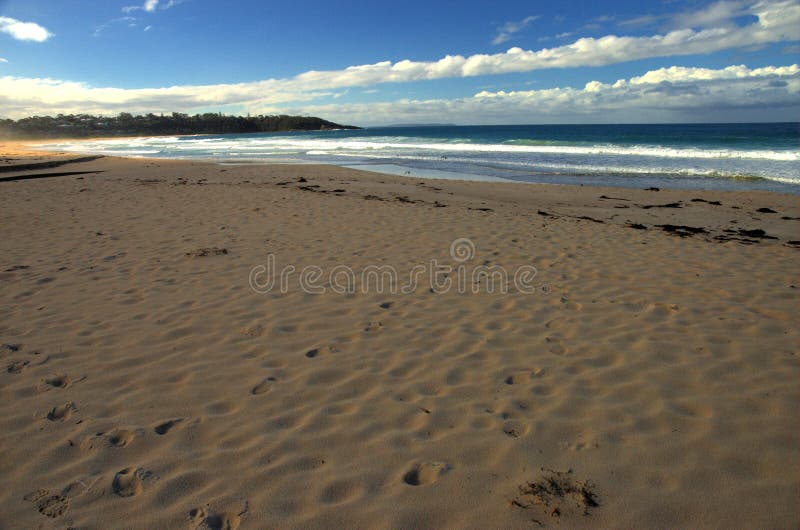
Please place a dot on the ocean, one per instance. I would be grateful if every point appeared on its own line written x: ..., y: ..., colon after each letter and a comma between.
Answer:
x: 761, y: 156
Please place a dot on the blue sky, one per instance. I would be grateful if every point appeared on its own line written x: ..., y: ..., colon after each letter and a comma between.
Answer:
x: 378, y: 62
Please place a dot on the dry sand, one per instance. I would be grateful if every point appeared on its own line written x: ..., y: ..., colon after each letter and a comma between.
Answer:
x: 650, y: 381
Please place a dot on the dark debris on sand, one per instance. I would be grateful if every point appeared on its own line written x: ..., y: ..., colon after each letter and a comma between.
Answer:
x: 682, y: 230
x: 558, y: 494
x: 204, y: 252
x: 757, y: 233
x: 667, y: 205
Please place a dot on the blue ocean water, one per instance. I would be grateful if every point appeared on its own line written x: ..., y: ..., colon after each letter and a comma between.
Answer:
x: 764, y: 156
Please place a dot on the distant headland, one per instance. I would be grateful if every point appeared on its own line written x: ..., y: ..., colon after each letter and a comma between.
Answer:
x: 399, y: 125
x: 125, y: 124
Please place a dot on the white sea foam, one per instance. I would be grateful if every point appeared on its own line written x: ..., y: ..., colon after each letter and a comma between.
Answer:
x: 527, y: 157
x: 399, y: 145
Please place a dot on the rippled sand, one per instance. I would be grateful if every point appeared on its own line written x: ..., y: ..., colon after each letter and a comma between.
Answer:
x: 648, y: 381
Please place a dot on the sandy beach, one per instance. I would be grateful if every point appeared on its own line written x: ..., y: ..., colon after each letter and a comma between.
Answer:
x: 644, y: 377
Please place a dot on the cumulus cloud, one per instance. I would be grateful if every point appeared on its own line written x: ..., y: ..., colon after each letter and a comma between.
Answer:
x: 777, y: 21
x: 680, y: 74
x: 674, y: 94
x: 510, y: 28
x: 24, y: 30
x: 21, y: 97
x: 666, y: 94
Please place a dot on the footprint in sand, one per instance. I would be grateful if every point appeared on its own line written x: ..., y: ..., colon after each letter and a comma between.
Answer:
x: 60, y: 381
x: 522, y: 377
x: 373, y: 326
x: 165, y: 427
x: 569, y: 304
x: 17, y: 367
x: 555, y: 346
x: 515, y: 429
x: 79, y: 487
x: 425, y: 473
x: 316, y: 352
x: 61, y: 413
x: 197, y: 516
x: 223, y: 521
x: 121, y: 437
x: 253, y: 331
x: 340, y: 491
x: 263, y: 387
x: 48, y: 504
x: 56, y: 505
x: 202, y: 518
x: 578, y: 446
x: 128, y: 482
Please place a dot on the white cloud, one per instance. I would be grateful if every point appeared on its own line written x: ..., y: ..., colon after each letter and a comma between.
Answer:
x: 131, y: 22
x: 150, y: 6
x: 148, y: 28
x: 510, y: 28
x: 666, y: 94
x: 643, y: 20
x: 674, y: 94
x: 682, y: 74
x: 776, y: 22
x: 3, y: 60
x: 21, y: 97
x: 24, y: 30
x: 718, y: 14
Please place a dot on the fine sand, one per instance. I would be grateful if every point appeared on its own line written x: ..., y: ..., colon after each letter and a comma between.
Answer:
x: 648, y: 380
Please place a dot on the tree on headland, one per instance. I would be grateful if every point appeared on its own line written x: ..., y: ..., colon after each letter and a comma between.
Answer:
x: 126, y: 124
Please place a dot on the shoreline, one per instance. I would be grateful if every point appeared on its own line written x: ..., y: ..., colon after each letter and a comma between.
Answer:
x: 11, y: 149
x: 611, y: 179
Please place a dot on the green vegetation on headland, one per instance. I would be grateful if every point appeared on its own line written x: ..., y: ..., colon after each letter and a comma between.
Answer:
x: 86, y: 126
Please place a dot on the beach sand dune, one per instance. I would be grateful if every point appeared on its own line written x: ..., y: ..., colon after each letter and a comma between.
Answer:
x: 648, y: 380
